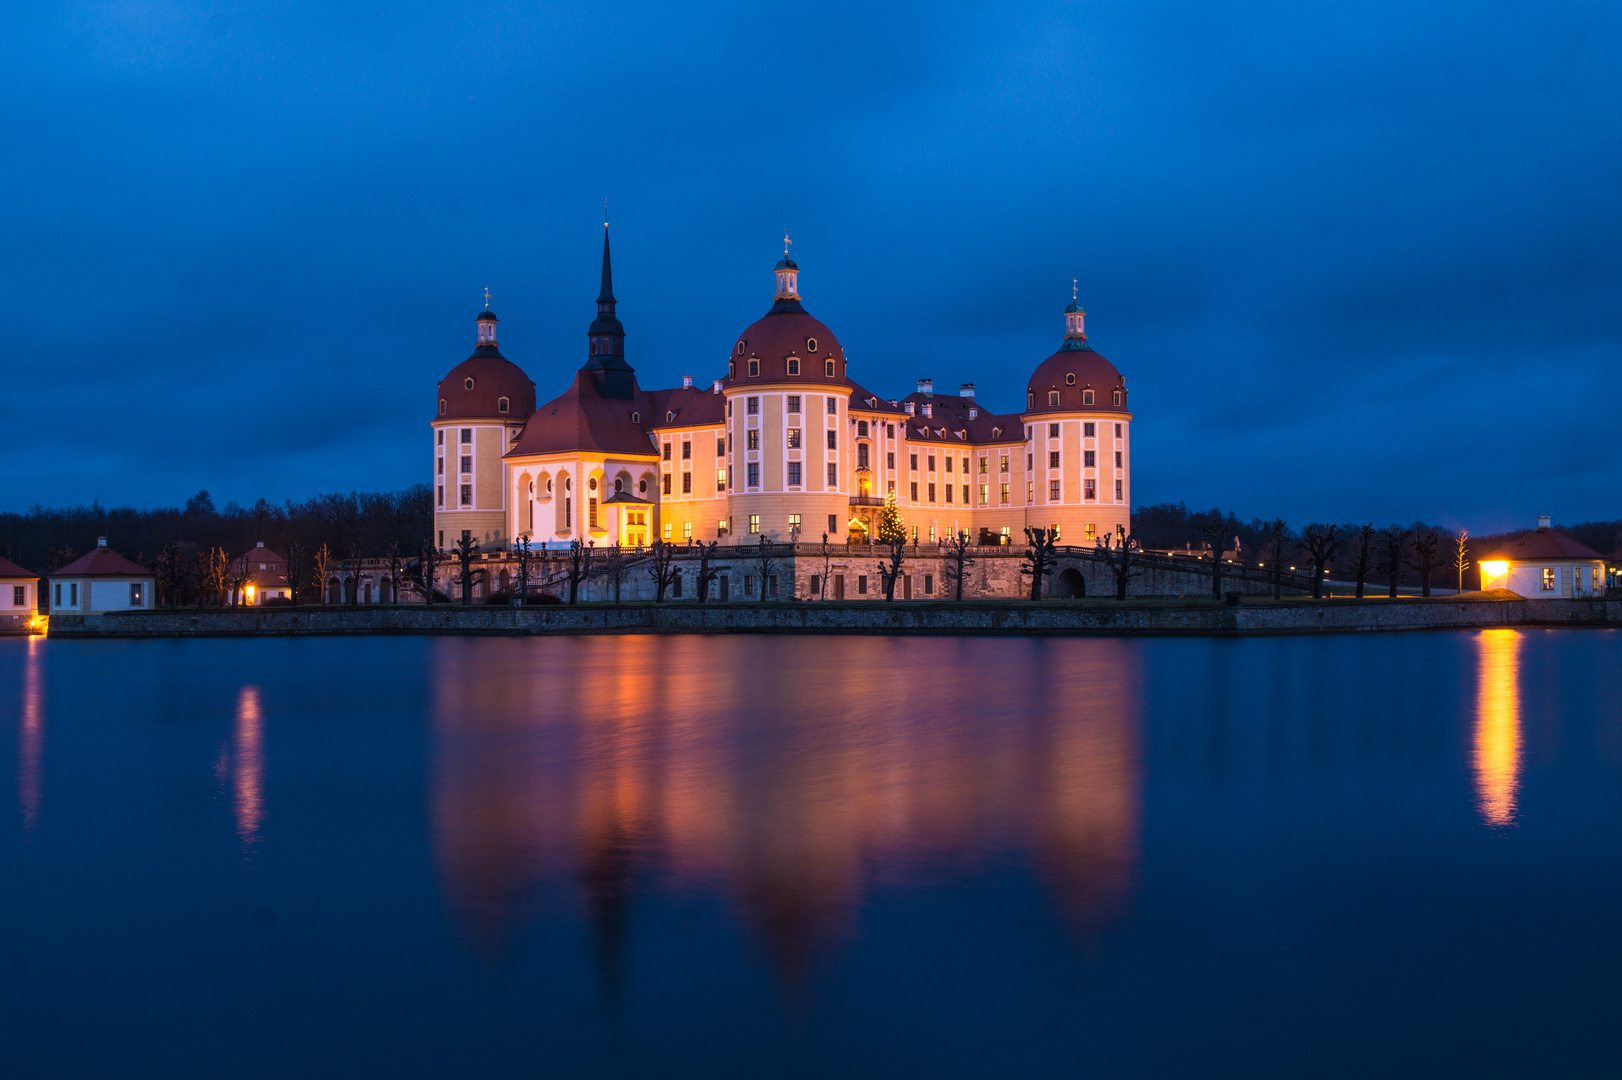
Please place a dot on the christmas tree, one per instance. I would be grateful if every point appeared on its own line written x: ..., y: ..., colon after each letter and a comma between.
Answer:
x: 891, y: 526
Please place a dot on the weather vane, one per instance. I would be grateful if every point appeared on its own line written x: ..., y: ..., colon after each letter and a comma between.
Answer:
x: 786, y: 243
x: 1074, y: 290
x: 487, y: 298
x: 605, y: 213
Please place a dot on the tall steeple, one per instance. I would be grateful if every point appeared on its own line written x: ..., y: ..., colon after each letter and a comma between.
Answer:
x: 606, y: 339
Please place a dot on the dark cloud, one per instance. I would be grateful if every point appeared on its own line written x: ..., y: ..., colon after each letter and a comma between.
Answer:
x: 1356, y: 262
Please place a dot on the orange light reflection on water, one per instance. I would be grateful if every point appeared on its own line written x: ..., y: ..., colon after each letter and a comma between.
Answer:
x: 1497, y: 735
x: 792, y: 775
x: 31, y: 735
x: 248, y: 763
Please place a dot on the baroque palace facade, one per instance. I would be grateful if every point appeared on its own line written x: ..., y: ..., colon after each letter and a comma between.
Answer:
x: 786, y: 445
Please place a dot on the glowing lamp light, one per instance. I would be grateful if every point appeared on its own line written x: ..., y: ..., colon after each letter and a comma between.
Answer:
x: 1495, y: 568
x: 250, y: 593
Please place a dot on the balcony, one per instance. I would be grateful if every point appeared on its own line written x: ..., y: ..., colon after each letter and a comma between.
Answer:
x: 866, y: 500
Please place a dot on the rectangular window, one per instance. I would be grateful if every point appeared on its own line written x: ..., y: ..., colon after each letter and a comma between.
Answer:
x: 931, y: 462
x: 861, y: 584
x: 1053, y: 459
x: 591, y: 512
x: 833, y: 406
x: 839, y: 586
x: 1003, y: 463
x: 1028, y: 465
x: 833, y: 524
x: 889, y: 431
x: 667, y: 530
x: 751, y: 439
x: 687, y: 449
x: 794, y: 474
x: 1030, y: 491
x: 666, y: 483
x: 889, y: 460
x: 771, y: 585
x: 816, y: 585
x: 1004, y: 493
x: 441, y: 434
x: 720, y: 446
x: 948, y: 492
x: 723, y: 527
x: 754, y: 523
x: 794, y: 522
x: 720, y: 479
x: 73, y: 594
x: 675, y: 582
x: 931, y: 492
x: 1117, y: 431
x: 1089, y: 489
x: 58, y: 601
x: 965, y: 465
x: 467, y: 436
x: 912, y: 494
x: 686, y: 483
x: 1117, y: 459
x: 667, y: 452
x: 687, y: 530
x: 891, y: 487
x: 794, y: 403
x: 793, y: 438
x: 833, y: 440
x: 1593, y: 577
x: 568, y: 512
x: 983, y: 463
x: 833, y: 475
x: 1548, y: 579
x: 441, y: 494
x: 985, y: 494
x: 439, y: 470
x: 1053, y: 431
x: 1053, y: 491
x: 929, y: 584
x: 467, y: 463
x: 1118, y: 496
x: 467, y: 494
x: 136, y: 594
x: 754, y: 474
x: 1087, y: 461
x: 752, y: 406
x: 912, y: 462
x: 1090, y: 531
x: 19, y: 595
x: 948, y: 462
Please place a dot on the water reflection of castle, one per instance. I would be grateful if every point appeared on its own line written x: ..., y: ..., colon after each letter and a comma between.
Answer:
x: 618, y: 764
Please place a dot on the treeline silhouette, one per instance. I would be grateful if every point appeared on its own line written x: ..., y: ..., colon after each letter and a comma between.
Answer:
x: 357, y: 524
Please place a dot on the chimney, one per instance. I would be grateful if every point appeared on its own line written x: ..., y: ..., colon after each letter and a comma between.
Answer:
x: 966, y: 390
x: 929, y: 410
x: 716, y: 389
x: 101, y: 541
x: 973, y: 413
x: 686, y: 382
x: 926, y: 386
x: 1543, y: 522
x: 908, y: 407
x: 260, y: 544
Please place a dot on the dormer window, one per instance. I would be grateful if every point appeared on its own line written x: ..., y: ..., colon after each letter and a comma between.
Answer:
x: 636, y: 418
x: 1030, y: 399
x: 468, y: 383
x: 794, y: 365
x: 754, y: 369
x: 810, y: 344
x: 996, y: 433
x: 732, y: 370
x: 828, y: 368
x: 670, y: 417
x: 1053, y: 397
x: 1070, y: 380
x: 1117, y: 399
x: 1086, y: 397
x: 501, y: 404
x: 740, y: 348
x: 441, y: 406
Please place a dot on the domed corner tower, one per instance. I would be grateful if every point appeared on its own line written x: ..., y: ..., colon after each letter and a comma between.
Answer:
x: 481, y: 408
x: 1078, y: 440
x: 789, y: 432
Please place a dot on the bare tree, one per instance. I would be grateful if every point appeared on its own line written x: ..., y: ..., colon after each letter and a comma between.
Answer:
x: 394, y: 572
x: 233, y: 581
x: 1040, y: 557
x: 1461, y: 556
x: 171, y: 572
x: 827, y: 566
x: 765, y: 562
x: 1426, y: 547
x: 521, y: 549
x: 1395, y: 556
x: 706, y: 572
x: 294, y: 572
x: 1363, y: 551
x: 354, y: 566
x: 1278, y: 542
x: 579, y: 568
x: 890, y: 568
x: 1216, y: 536
x: 661, y: 567
x: 214, y: 570
x: 1321, y: 542
x: 427, y: 565
x: 958, y: 561
x: 323, y: 569
x: 465, y: 551
x: 614, y: 564
x: 1118, y: 552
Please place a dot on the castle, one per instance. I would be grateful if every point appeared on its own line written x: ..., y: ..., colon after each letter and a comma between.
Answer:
x: 785, y: 445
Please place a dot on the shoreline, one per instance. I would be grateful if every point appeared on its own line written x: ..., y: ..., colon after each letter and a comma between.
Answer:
x: 1131, y: 617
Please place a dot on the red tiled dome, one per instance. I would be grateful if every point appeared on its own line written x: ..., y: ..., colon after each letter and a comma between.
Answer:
x: 494, y: 377
x: 1070, y: 372
x: 787, y: 331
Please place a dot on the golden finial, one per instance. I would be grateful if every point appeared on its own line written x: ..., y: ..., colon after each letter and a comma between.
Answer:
x: 605, y: 213
x: 1075, y: 290
x: 786, y: 243
x: 487, y: 298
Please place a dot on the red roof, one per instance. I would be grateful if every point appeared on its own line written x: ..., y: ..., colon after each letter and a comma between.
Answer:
x: 1542, y: 544
x: 787, y: 331
x: 250, y: 560
x: 102, y: 562
x: 1071, y: 371
x: 583, y: 419
x: 494, y: 377
x: 950, y: 413
x: 9, y: 569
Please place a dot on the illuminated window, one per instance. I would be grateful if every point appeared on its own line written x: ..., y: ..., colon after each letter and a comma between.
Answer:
x: 1089, y: 531
x: 687, y: 532
x: 793, y: 438
x: 751, y: 439
x: 720, y: 479
x: 1030, y: 491
x: 667, y: 530
x: 591, y: 512
x: 1089, y: 489
x: 1002, y: 465
x: 794, y: 521
x: 722, y: 527
x: 1548, y: 579
x: 1004, y: 493
x: 754, y: 523
x: 985, y: 494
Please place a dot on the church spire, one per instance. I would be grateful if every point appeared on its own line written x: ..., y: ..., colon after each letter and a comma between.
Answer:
x: 605, y: 296
x: 606, y: 338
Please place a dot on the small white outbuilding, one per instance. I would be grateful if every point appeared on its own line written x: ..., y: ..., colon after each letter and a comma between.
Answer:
x: 102, y: 580
x: 1544, y: 565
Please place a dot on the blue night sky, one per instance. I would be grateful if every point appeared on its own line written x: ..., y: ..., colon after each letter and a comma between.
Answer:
x: 1355, y: 261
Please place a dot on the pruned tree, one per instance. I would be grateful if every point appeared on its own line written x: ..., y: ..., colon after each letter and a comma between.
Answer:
x: 1321, y: 542
x: 891, y: 526
x: 354, y: 567
x: 766, y: 563
x: 1278, y: 542
x: 169, y: 571
x: 521, y: 549
x: 1394, y: 556
x: 958, y: 561
x: 827, y: 567
x: 1427, y: 547
x: 427, y: 570
x: 706, y: 572
x: 464, y: 551
x: 295, y: 569
x: 1040, y: 557
x: 662, y: 567
x: 1363, y: 554
x: 1216, y: 537
x: 213, y: 573
x: 394, y: 572
x: 1461, y: 555
x: 323, y: 569
x: 578, y: 568
x: 891, y: 566
x: 1118, y: 552
x: 614, y: 563
x: 233, y: 581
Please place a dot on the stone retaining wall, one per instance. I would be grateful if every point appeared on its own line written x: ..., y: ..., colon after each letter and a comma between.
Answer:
x: 1254, y: 617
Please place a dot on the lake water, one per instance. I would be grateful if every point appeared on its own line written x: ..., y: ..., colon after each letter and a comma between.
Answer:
x: 813, y: 856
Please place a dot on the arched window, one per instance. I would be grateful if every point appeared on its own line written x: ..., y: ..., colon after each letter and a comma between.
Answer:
x: 732, y: 369
x: 1117, y: 397
x: 754, y: 369
x: 828, y: 368
x: 1086, y: 397
x: 594, y: 348
x: 501, y: 404
x: 861, y: 429
x: 794, y: 365
x: 441, y: 406
x: 1053, y: 397
x: 643, y: 486
x: 636, y: 418
x: 619, y: 485
x: 592, y: 484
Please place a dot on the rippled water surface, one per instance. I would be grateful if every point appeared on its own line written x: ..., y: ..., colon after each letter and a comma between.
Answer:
x: 712, y: 856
